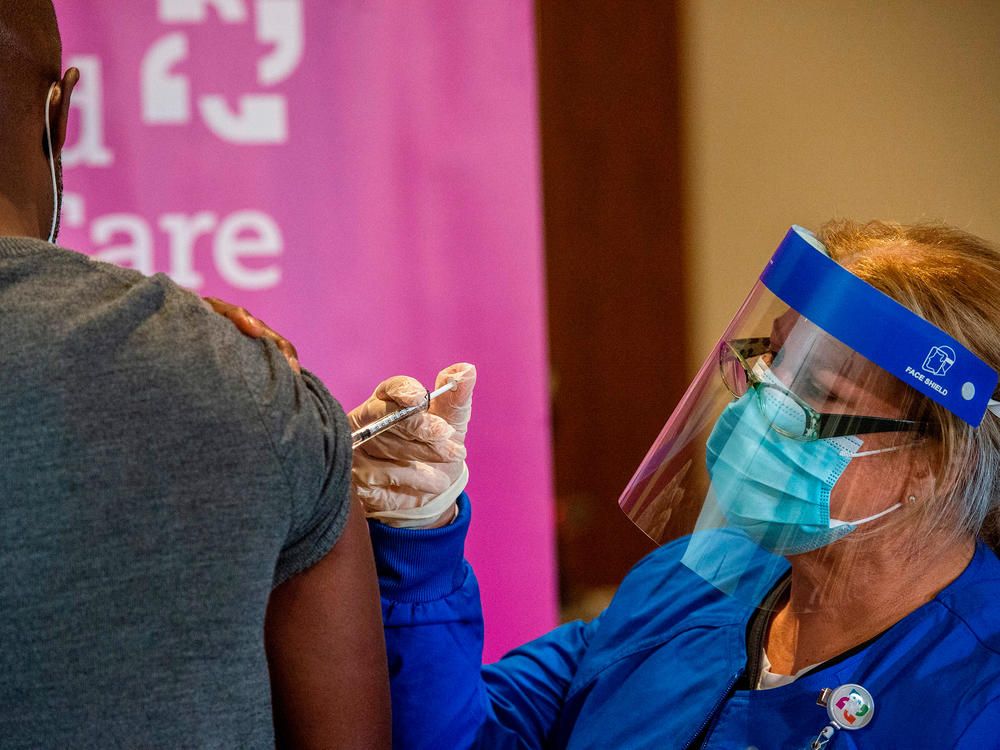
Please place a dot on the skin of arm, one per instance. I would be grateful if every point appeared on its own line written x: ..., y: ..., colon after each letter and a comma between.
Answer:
x: 326, y: 651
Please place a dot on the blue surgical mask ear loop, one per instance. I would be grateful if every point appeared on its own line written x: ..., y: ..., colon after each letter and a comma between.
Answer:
x: 855, y: 454
x: 52, y: 165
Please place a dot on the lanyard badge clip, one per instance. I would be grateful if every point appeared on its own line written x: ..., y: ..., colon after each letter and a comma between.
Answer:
x: 849, y: 706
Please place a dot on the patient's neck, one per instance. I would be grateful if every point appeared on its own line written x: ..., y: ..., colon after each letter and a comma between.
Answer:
x: 13, y: 220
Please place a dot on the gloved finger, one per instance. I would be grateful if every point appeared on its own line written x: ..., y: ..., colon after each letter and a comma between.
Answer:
x: 425, y: 427
x: 394, y: 446
x: 394, y: 393
x: 400, y: 484
x: 398, y: 475
x: 455, y: 406
x: 367, y: 412
x: 375, y: 499
x: 401, y: 390
x: 374, y: 407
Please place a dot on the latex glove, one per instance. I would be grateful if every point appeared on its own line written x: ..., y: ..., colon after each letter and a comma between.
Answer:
x: 413, y: 474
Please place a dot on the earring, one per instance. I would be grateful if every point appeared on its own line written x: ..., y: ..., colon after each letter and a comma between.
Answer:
x: 911, y: 499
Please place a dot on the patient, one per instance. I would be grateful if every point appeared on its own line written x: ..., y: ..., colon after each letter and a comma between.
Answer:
x: 182, y: 563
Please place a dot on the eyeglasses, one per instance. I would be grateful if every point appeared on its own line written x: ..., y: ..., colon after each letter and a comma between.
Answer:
x: 787, y: 413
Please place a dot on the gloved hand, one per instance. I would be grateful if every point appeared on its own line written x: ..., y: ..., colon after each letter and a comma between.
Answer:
x: 411, y: 475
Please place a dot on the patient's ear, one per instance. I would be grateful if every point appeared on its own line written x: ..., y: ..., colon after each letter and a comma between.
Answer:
x: 59, y: 101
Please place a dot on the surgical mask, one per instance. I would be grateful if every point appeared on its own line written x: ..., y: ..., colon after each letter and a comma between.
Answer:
x: 53, y: 231
x: 774, y: 488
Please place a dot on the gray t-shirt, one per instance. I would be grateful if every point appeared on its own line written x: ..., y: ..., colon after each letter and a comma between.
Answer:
x: 159, y: 474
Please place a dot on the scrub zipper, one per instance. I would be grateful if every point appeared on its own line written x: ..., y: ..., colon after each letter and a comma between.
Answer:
x: 712, y: 714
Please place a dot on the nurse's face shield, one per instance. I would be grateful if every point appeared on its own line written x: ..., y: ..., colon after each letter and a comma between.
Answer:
x: 801, y: 431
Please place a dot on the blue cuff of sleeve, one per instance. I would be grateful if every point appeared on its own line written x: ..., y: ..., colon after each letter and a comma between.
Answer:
x: 421, y: 565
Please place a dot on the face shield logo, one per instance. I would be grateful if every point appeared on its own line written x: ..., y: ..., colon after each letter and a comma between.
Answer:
x: 939, y: 360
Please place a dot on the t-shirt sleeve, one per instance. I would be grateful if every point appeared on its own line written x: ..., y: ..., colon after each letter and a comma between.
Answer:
x: 310, y: 436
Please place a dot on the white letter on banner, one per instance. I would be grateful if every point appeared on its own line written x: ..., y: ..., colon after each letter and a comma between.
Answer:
x: 196, y: 11
x: 166, y: 96
x: 88, y: 98
x: 73, y: 209
x: 184, y: 231
x: 279, y: 22
x: 260, y: 118
x: 266, y: 241
x: 138, y: 254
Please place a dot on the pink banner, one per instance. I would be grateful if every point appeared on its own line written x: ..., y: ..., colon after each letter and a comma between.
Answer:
x: 364, y: 176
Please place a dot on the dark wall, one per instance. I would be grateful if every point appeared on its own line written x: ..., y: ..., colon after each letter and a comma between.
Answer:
x: 610, y: 112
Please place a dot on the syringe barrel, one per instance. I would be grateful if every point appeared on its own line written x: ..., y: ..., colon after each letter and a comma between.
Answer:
x: 387, y: 422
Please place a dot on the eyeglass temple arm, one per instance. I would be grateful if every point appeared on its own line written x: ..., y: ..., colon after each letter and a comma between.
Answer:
x: 993, y: 405
x: 836, y: 425
x: 747, y: 348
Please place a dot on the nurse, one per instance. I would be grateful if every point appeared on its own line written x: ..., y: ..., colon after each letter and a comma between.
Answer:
x: 826, y: 495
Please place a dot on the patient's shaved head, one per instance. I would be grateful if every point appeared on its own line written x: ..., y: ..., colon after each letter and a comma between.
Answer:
x: 30, y: 54
x: 30, y: 62
x: 28, y: 29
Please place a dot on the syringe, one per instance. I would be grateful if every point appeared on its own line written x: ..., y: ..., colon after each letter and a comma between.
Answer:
x: 389, y: 421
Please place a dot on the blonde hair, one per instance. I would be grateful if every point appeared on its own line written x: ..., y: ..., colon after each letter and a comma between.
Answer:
x: 951, y: 279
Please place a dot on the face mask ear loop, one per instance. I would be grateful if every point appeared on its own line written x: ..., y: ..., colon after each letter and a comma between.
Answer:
x: 879, y: 450
x: 52, y: 166
x: 866, y: 520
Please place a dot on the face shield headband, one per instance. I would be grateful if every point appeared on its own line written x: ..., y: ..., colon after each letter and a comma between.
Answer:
x: 762, y: 459
x: 878, y: 328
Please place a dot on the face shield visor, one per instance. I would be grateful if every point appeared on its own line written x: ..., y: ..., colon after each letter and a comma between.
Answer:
x: 800, y: 432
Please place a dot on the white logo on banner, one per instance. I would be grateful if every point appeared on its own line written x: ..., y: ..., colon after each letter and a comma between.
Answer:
x: 88, y: 100
x: 236, y: 243
x: 258, y: 118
